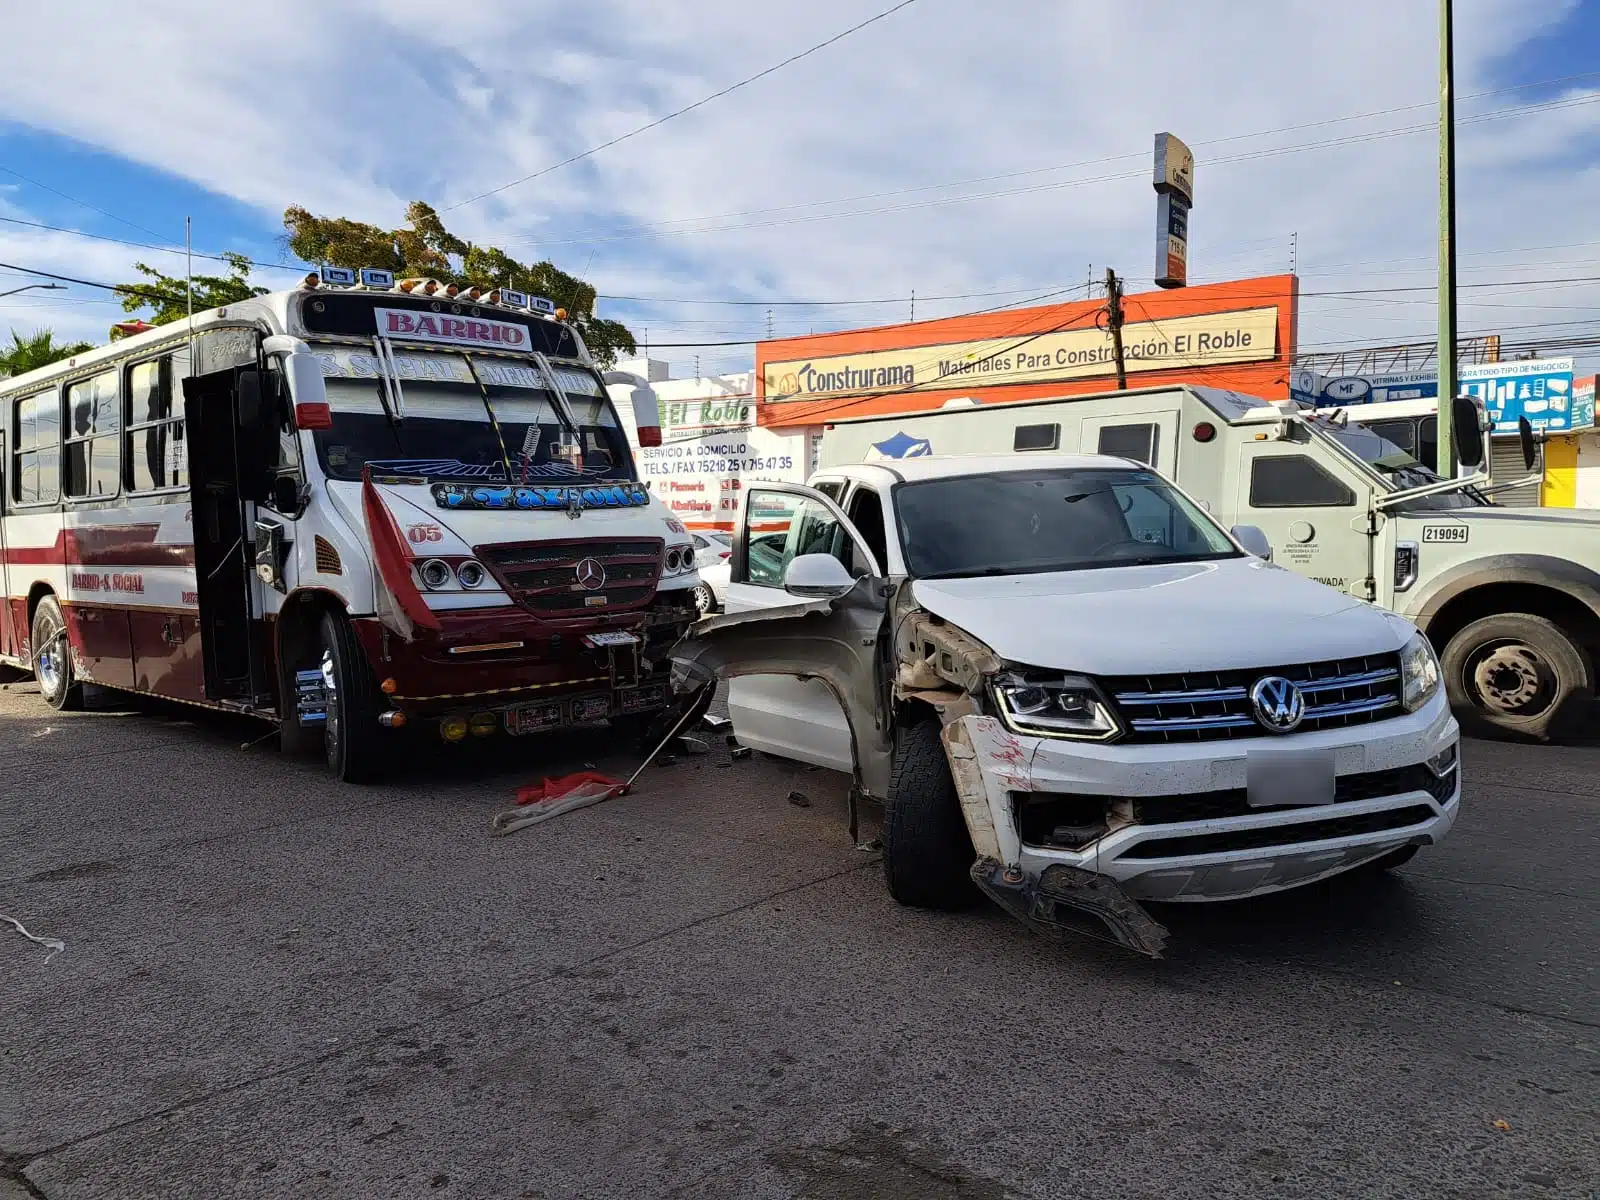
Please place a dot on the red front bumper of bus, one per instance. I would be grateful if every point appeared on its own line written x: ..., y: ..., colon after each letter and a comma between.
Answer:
x: 504, y: 658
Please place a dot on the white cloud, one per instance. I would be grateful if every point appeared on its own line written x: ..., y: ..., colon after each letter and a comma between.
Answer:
x: 357, y: 107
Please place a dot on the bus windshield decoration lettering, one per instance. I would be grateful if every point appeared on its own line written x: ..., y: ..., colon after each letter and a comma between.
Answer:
x: 607, y: 495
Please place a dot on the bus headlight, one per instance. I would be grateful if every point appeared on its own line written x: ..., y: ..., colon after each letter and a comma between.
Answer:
x: 435, y: 574
x: 1419, y: 673
x: 471, y: 574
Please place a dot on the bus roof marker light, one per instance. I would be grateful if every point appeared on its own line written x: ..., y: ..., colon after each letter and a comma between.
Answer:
x: 376, y: 277
x: 541, y: 304
x: 311, y: 280
x: 339, y: 276
x: 561, y: 314
x: 513, y: 299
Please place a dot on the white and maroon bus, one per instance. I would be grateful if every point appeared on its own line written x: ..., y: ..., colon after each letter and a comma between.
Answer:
x: 345, y: 508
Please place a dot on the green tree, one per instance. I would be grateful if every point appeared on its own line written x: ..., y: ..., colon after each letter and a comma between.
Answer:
x: 168, y: 296
x: 426, y: 248
x: 38, y: 349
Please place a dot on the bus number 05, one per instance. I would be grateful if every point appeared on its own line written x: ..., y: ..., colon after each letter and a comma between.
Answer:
x: 425, y: 533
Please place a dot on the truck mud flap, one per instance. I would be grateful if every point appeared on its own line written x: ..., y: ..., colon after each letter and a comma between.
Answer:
x: 1072, y: 900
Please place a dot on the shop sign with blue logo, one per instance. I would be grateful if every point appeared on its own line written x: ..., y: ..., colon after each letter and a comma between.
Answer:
x: 1539, y: 389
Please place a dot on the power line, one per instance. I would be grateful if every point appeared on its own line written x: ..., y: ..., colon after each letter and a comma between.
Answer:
x: 100, y: 237
x: 793, y: 58
x: 83, y: 203
x: 125, y: 288
x: 644, y: 228
x: 822, y: 303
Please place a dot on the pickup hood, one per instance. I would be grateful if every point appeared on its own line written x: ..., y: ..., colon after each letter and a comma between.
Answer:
x: 1163, y: 619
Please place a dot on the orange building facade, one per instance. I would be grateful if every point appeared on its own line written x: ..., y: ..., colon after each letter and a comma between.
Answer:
x: 1238, y: 335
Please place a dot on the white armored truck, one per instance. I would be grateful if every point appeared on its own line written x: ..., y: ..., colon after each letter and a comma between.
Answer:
x: 1509, y: 598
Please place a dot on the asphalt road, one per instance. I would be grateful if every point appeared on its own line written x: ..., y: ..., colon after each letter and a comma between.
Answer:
x: 277, y: 987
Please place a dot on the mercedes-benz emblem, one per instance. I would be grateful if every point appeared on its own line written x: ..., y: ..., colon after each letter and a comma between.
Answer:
x: 590, y: 574
x: 1280, y: 705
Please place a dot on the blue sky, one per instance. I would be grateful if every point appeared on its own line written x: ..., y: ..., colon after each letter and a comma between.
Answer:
x: 356, y: 107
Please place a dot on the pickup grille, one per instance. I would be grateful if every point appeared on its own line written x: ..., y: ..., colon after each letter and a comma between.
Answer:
x: 1211, y: 705
x: 544, y: 577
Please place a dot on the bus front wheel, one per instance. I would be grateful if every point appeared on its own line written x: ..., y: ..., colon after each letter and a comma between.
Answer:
x: 52, y: 658
x: 352, y: 742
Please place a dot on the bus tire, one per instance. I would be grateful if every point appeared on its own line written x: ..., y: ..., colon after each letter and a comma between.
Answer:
x: 352, y: 738
x: 927, y: 851
x: 52, y: 658
x: 1518, y: 676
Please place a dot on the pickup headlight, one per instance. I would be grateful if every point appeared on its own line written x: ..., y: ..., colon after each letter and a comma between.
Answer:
x: 1068, y: 707
x: 1419, y: 673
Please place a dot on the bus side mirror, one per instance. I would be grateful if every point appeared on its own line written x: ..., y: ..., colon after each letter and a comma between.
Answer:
x: 1467, y: 426
x: 258, y: 436
x: 1525, y: 436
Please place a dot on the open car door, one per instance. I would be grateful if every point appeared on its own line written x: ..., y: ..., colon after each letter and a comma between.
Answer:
x: 823, y: 621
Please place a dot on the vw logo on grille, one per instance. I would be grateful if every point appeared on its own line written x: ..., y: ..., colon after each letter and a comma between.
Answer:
x: 1279, y: 705
x: 590, y: 574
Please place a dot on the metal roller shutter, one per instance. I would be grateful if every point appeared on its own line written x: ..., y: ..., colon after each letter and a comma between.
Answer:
x: 1507, y: 458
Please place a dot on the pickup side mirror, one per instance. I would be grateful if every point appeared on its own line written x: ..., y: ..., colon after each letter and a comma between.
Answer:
x: 1253, y: 540
x: 1467, y: 426
x: 1525, y: 436
x: 817, y: 577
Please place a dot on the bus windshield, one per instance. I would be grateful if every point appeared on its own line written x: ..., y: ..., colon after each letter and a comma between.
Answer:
x: 1396, y: 467
x: 444, y: 431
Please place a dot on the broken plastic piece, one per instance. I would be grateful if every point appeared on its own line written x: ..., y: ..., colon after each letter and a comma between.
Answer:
x: 552, y: 797
x: 692, y: 745
x: 739, y: 753
x: 799, y: 799
x: 713, y: 722
x: 1072, y: 900
x: 54, y: 945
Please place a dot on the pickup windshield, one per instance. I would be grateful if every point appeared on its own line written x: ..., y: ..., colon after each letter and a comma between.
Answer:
x: 444, y: 430
x: 1028, y: 522
x: 1395, y: 466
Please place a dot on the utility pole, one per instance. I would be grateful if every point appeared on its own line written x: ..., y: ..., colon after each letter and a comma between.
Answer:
x: 769, y: 324
x: 1114, y: 325
x: 913, y: 304
x: 1294, y: 252
x: 1447, y: 242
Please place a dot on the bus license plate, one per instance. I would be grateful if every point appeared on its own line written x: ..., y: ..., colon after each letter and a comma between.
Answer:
x: 639, y: 699
x: 599, y: 640
x: 590, y: 708
x: 532, y: 718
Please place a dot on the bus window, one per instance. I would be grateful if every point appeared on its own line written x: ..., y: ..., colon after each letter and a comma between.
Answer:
x: 156, y: 454
x: 93, y: 441
x: 36, y: 452
x: 1401, y: 431
x: 1427, y: 451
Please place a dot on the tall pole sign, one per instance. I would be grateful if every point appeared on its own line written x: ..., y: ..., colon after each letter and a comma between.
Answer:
x: 1447, y: 241
x: 1174, y: 184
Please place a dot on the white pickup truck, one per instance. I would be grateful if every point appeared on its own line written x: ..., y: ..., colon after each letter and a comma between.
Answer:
x: 1069, y: 685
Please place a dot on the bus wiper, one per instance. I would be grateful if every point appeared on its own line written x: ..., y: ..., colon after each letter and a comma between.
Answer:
x: 563, y: 408
x: 389, y: 393
x: 494, y: 421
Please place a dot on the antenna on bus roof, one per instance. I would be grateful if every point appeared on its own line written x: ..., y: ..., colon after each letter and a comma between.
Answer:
x: 188, y: 280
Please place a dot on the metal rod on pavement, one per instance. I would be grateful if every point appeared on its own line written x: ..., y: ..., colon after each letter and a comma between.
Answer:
x: 651, y: 757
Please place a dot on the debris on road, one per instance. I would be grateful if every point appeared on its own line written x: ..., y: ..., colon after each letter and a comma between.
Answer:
x: 1503, y: 1125
x: 54, y: 945
x: 692, y: 746
x: 740, y: 753
x: 552, y: 797
x: 713, y: 722
x: 799, y: 799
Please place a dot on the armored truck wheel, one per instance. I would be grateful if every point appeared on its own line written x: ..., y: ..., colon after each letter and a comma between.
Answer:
x: 927, y: 851
x: 1515, y: 675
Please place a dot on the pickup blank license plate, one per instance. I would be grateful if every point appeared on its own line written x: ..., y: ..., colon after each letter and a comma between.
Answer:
x: 1279, y: 777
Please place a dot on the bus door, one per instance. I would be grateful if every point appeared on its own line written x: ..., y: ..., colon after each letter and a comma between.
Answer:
x: 8, y: 636
x: 230, y: 441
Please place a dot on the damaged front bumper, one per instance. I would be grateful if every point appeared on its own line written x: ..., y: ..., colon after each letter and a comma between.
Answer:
x: 1170, y: 822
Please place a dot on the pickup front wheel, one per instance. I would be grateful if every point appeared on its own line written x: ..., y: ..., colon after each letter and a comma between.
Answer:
x: 1519, y: 676
x: 927, y: 851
